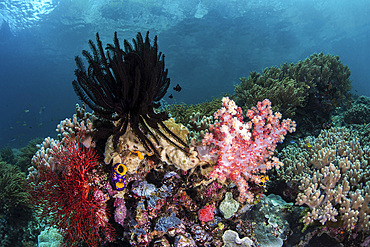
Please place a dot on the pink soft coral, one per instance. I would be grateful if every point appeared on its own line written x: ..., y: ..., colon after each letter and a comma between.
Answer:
x: 245, y: 149
x: 207, y: 213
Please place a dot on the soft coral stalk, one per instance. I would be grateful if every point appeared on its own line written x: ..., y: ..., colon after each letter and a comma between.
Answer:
x: 245, y: 149
x: 66, y: 194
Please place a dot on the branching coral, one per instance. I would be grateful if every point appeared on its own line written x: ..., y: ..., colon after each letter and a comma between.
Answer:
x: 125, y: 86
x: 332, y: 171
x: 81, y: 124
x: 66, y: 191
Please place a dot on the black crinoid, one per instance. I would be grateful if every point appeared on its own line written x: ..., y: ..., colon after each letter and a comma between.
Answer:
x: 125, y: 86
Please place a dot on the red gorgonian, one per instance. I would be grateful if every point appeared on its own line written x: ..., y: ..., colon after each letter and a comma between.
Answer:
x: 64, y: 193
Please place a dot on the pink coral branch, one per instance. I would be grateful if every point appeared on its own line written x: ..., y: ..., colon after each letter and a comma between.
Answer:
x: 245, y: 149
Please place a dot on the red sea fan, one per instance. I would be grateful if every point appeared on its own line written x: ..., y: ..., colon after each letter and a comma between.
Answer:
x: 67, y: 197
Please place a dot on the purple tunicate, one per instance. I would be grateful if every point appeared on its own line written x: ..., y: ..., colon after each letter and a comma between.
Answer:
x: 121, y: 211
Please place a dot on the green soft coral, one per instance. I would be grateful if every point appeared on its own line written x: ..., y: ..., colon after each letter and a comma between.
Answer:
x: 12, y: 187
x: 285, y: 94
x: 26, y: 154
x: 326, y: 76
x: 184, y: 113
x: 309, y: 90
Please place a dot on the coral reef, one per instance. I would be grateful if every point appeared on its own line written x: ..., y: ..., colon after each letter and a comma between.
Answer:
x: 359, y: 112
x: 245, y: 149
x: 7, y: 155
x: 332, y: 173
x: 170, y: 201
x: 182, y: 113
x: 50, y: 237
x: 13, y: 185
x: 14, y: 205
x: 135, y: 172
x: 26, y: 154
x: 286, y: 94
x: 159, y: 206
x: 81, y: 124
x: 309, y: 90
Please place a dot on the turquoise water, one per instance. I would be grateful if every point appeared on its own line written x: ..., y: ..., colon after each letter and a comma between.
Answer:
x: 208, y: 45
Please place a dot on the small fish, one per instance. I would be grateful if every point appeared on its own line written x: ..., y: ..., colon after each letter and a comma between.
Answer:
x: 308, y: 145
x: 292, y: 142
x: 42, y: 109
x: 170, y: 96
x: 25, y: 111
x: 177, y: 88
x: 330, y: 85
x: 264, y: 179
x: 328, y: 124
x: 335, y: 102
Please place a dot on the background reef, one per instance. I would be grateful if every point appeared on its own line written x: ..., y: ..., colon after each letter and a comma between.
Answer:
x: 309, y: 90
x: 209, y: 45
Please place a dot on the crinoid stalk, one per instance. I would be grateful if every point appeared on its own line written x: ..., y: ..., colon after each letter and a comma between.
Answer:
x: 125, y: 86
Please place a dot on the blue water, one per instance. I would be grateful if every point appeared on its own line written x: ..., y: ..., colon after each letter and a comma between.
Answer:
x: 208, y: 45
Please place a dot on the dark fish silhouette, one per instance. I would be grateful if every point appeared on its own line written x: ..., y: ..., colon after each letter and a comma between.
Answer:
x: 170, y: 96
x: 177, y: 88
